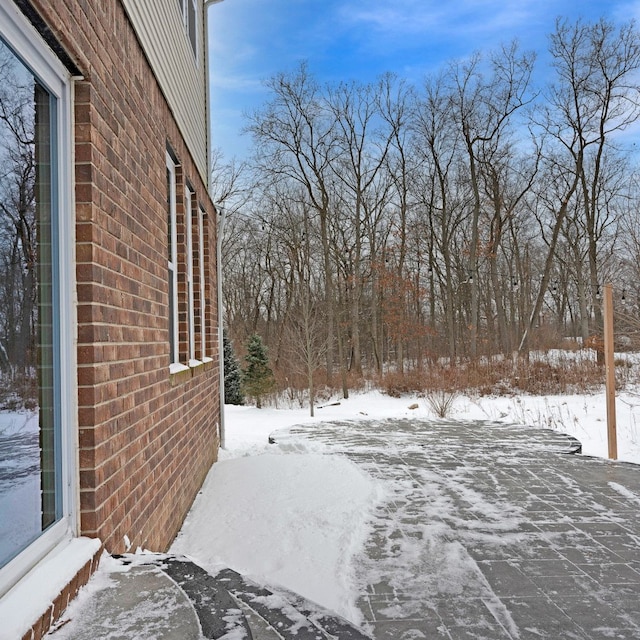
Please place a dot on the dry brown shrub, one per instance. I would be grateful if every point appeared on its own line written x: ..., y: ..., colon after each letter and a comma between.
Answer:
x: 570, y: 344
x: 544, y: 378
x: 397, y: 384
x: 499, y: 377
x: 18, y: 393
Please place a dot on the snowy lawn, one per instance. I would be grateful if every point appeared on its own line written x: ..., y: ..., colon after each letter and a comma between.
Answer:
x: 582, y: 416
x: 296, y: 517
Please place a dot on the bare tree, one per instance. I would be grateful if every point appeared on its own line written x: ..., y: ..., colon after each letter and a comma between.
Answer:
x: 397, y: 104
x: 305, y: 329
x: 484, y: 109
x: 593, y: 98
x: 363, y: 142
x: 438, y: 145
x: 295, y: 140
x: 20, y: 233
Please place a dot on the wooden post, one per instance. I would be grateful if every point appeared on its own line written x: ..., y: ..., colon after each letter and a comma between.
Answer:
x: 610, y: 372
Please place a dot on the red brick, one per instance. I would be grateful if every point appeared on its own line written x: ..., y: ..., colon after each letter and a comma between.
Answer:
x: 133, y: 414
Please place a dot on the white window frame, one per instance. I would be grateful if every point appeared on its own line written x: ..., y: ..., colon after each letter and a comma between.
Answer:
x: 189, y: 12
x: 202, y: 284
x: 27, y: 43
x: 191, y: 23
x: 172, y: 265
x: 188, y: 218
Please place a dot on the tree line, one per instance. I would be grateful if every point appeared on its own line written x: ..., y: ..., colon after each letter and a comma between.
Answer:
x: 387, y: 225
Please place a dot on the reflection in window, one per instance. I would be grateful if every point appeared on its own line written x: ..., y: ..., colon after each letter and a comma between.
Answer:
x: 30, y: 492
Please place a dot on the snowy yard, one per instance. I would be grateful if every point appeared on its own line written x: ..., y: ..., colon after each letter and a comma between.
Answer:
x: 304, y: 512
x: 295, y: 515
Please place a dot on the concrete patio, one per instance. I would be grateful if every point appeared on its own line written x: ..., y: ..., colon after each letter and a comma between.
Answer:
x: 494, y: 532
x: 489, y: 532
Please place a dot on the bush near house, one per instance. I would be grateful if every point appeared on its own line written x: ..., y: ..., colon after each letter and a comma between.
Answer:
x: 258, y: 378
x: 232, y: 374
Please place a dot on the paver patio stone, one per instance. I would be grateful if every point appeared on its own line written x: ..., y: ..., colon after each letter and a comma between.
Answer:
x: 499, y: 534
x: 487, y: 532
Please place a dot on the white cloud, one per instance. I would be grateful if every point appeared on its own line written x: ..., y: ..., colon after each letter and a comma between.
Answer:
x: 236, y: 82
x: 627, y: 11
x: 462, y: 18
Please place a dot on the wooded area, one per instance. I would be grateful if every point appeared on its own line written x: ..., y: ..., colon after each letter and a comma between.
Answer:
x: 383, y: 226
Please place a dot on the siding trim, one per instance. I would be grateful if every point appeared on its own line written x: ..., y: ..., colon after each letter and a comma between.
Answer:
x: 160, y: 30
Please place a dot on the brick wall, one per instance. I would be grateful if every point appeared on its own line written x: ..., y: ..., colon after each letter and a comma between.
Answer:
x: 147, y: 438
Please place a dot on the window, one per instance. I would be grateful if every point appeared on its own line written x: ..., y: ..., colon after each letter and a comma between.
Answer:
x: 189, y: 13
x: 172, y: 248
x: 191, y: 258
x: 37, y: 424
x: 202, y: 283
x: 186, y: 245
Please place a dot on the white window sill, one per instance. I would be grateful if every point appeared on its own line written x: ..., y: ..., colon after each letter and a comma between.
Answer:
x: 177, y: 367
x: 23, y: 605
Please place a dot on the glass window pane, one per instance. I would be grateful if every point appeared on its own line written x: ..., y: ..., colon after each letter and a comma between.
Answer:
x: 172, y: 263
x: 189, y: 219
x: 203, y: 328
x: 192, y: 28
x: 29, y: 432
x: 45, y: 332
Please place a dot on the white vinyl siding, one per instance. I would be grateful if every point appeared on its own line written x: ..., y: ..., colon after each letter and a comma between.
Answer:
x: 160, y: 27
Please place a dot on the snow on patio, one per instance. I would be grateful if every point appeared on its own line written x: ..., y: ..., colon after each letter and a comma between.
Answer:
x: 292, y: 520
x: 296, y: 515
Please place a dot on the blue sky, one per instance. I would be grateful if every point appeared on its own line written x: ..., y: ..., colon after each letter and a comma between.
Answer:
x: 250, y: 40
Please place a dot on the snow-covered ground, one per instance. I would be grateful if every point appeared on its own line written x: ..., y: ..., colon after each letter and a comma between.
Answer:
x: 292, y: 516
x: 582, y: 416
x: 297, y: 515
